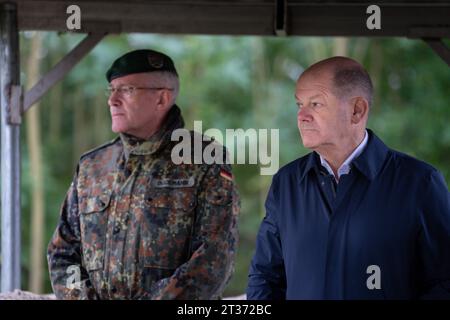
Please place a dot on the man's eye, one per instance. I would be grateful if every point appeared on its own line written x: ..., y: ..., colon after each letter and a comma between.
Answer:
x: 299, y: 105
x: 315, y: 104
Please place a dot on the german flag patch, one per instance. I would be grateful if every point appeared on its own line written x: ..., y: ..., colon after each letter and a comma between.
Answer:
x: 226, y: 175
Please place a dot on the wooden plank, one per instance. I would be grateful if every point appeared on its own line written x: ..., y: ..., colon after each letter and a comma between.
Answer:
x: 440, y: 48
x: 396, y: 21
x: 245, y: 17
x: 61, y: 69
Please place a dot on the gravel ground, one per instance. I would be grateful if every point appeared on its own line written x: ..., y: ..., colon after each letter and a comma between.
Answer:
x: 26, y: 295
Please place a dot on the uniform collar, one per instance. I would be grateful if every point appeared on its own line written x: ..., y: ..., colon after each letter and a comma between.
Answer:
x: 138, y: 146
x: 369, y: 162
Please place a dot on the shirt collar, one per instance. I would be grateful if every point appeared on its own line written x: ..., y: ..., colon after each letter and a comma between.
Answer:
x: 369, y: 162
x: 345, y: 167
x: 138, y: 146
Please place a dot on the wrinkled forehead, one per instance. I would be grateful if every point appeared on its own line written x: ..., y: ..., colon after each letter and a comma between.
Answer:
x: 322, y: 75
x: 314, y: 81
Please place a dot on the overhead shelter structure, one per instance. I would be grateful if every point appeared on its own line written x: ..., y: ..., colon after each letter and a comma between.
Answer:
x: 427, y: 20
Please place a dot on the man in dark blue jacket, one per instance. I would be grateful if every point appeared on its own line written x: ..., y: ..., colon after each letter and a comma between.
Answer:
x: 353, y: 219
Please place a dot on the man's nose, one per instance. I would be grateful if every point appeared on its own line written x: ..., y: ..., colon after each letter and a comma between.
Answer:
x: 114, y: 99
x: 304, y: 115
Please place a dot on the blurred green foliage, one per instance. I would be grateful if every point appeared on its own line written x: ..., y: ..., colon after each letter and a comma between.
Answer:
x: 235, y: 82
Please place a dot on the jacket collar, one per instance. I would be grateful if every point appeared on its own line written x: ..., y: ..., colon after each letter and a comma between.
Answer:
x: 372, y: 159
x: 138, y: 146
x: 369, y: 162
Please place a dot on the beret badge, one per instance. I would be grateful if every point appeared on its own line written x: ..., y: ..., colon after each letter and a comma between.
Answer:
x: 155, y: 61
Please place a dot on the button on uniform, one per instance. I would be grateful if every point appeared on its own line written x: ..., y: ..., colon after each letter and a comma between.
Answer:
x: 116, y: 229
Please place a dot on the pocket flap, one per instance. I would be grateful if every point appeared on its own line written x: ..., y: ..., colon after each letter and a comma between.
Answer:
x: 95, y: 204
x: 219, y: 197
x: 179, y: 198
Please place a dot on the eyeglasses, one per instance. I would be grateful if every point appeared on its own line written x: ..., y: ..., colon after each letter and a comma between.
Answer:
x: 128, y: 91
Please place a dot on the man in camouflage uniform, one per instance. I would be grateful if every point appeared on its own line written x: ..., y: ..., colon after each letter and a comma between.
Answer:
x: 134, y: 225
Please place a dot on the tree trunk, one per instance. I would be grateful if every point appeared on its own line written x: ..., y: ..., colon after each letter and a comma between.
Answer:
x: 340, y: 46
x: 80, y: 143
x: 55, y: 101
x: 56, y: 93
x: 101, y: 120
x: 35, y: 150
x: 261, y: 99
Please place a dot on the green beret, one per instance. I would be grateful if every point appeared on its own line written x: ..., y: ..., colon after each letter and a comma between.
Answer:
x: 140, y: 61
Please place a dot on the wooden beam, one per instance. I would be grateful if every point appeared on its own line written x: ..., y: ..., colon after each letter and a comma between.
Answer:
x: 440, y: 48
x: 61, y: 69
x: 244, y: 17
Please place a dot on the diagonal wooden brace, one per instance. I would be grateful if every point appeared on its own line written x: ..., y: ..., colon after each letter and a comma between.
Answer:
x: 440, y: 48
x: 61, y: 69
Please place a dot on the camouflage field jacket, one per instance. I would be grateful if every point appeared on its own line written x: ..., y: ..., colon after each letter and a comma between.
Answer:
x: 134, y: 225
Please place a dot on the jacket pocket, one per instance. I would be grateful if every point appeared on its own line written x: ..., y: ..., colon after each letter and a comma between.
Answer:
x: 151, y: 275
x: 169, y: 217
x: 219, y: 197
x: 93, y: 224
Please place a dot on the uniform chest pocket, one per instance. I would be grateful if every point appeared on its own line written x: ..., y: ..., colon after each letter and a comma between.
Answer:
x: 93, y: 224
x: 169, y: 217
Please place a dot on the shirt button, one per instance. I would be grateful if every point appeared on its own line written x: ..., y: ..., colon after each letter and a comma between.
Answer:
x: 116, y: 229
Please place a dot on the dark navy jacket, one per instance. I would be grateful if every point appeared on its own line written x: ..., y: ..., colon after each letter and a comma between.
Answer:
x: 317, y: 241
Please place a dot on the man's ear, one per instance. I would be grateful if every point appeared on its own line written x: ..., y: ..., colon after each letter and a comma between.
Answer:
x: 164, y: 99
x: 360, y: 109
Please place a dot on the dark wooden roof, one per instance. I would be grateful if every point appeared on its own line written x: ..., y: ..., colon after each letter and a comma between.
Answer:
x: 241, y: 17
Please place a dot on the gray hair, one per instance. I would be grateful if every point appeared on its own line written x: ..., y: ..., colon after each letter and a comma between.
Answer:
x: 168, y: 80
